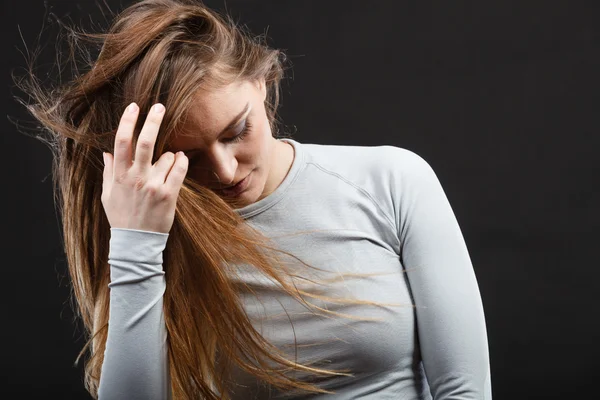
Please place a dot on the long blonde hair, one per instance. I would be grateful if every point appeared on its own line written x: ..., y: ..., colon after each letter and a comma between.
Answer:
x: 163, y: 51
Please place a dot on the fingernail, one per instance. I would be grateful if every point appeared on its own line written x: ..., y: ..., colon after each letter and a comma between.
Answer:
x: 158, y: 108
x: 104, y: 157
x: 132, y: 108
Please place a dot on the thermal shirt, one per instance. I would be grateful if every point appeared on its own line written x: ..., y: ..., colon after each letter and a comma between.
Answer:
x: 344, y: 210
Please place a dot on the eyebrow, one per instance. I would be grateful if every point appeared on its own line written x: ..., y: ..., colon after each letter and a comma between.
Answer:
x: 236, y: 120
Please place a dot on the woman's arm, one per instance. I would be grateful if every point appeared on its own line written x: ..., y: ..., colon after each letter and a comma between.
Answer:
x: 135, y: 360
x: 450, y: 317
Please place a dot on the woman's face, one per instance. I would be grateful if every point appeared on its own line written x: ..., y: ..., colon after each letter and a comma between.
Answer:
x: 227, y: 138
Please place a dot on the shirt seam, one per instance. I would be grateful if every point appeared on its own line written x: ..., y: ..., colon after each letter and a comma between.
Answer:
x: 360, y: 189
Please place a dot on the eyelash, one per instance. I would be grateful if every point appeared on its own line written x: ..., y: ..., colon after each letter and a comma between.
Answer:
x: 237, y: 138
x: 242, y: 135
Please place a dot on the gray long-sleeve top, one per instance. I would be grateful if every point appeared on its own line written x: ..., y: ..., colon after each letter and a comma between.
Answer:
x: 378, y: 209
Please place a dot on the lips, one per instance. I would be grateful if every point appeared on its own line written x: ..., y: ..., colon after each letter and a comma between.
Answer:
x: 237, y: 188
x: 227, y: 187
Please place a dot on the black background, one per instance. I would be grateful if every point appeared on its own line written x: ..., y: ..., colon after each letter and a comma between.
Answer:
x: 500, y: 97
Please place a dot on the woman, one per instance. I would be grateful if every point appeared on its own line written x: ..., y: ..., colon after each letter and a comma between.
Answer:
x: 174, y: 242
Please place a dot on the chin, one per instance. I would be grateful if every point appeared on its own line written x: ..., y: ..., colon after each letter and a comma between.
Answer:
x: 243, y: 199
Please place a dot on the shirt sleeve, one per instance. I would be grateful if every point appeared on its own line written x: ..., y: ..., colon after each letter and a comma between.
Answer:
x: 449, y: 310
x: 135, y: 359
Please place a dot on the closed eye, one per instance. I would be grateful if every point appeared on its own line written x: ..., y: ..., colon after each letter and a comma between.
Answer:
x: 235, y: 139
x: 241, y: 135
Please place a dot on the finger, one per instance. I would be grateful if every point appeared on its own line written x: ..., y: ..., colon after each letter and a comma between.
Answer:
x: 147, y: 139
x: 162, y: 167
x: 123, y: 138
x: 178, y: 172
x: 107, y: 173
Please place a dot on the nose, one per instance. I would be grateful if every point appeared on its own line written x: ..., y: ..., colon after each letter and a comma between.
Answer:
x: 224, y: 164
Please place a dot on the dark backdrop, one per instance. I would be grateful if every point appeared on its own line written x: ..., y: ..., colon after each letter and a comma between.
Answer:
x: 500, y: 97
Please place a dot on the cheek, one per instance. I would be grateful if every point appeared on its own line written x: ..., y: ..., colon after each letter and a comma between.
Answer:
x: 261, y: 146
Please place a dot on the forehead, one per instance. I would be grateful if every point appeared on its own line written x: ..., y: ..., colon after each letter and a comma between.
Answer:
x: 211, y: 111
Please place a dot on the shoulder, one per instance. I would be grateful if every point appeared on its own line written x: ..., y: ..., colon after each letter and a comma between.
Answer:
x: 382, y: 159
x: 388, y: 173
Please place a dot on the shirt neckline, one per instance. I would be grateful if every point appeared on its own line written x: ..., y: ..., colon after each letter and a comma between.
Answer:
x: 276, y: 196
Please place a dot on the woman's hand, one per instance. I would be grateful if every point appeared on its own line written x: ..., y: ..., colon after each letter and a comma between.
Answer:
x: 137, y: 194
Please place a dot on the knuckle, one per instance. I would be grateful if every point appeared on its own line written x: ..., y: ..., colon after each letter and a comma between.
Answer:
x: 121, y: 178
x: 152, y: 190
x: 158, y: 192
x: 139, y: 182
x: 121, y: 142
x: 180, y: 169
x: 164, y: 195
x: 145, y: 144
x: 167, y: 157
